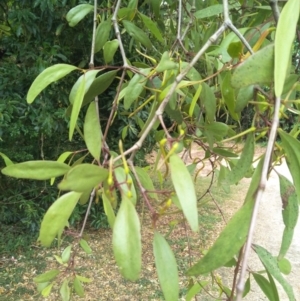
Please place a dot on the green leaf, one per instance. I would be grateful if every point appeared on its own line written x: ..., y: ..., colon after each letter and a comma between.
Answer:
x: 208, y: 100
x: 56, y: 217
x: 150, y: 25
x: 62, y: 158
x: 235, y: 49
x: 209, y: 11
x: 228, y: 95
x: 291, y: 147
x: 195, y: 289
x: 102, y: 34
x: 166, y: 267
x: 47, y: 290
x: 77, y: 13
x: 85, y: 246
x: 99, y: 85
x: 127, y: 241
x: 185, y: 190
x: 48, y: 276
x: 224, y: 153
x: 137, y: 33
x: 136, y: 87
x: 36, y: 170
x: 285, y: 266
x: 265, y: 286
x: 244, y: 95
x: 65, y: 291
x: 92, y: 131
x: 274, y: 287
x: 284, y: 39
x: 146, y: 181
x: 195, y: 100
x: 271, y: 266
x: 247, y: 287
x: 109, y: 50
x: 244, y: 163
x: 165, y: 63
x: 48, y: 76
x: 257, y: 69
x: 83, y: 177
x: 58, y: 259
x: 287, y: 237
x: 65, y: 256
x: 83, y: 279
x: 7, y: 161
x: 229, y: 241
x: 78, y: 287
x: 41, y: 286
x: 108, y: 211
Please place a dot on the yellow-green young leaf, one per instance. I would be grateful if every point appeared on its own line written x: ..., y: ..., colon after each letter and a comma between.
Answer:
x: 125, y: 184
x: 166, y: 267
x: 77, y: 13
x: 109, y: 50
x: 83, y: 279
x: 244, y: 95
x: 92, y: 131
x: 208, y: 100
x: 137, y: 33
x: 41, y: 286
x: 83, y: 177
x: 48, y: 76
x: 257, y: 69
x: 271, y: 266
x: 58, y: 259
x: 235, y: 49
x: 47, y: 290
x: 99, y: 85
x: 228, y: 95
x: 102, y: 34
x: 56, y: 217
x: 65, y: 256
x: 85, y: 246
x: 166, y: 63
x: 285, y: 266
x: 108, y: 211
x: 62, y: 158
x: 78, y: 287
x: 146, y: 181
x: 265, y: 285
x: 7, y: 161
x: 150, y: 25
x: 185, y: 190
x: 291, y: 147
x: 65, y: 291
x: 135, y: 87
x: 46, y: 277
x: 244, y: 163
x: 194, y: 100
x: 127, y: 241
x: 284, y: 38
x: 76, y: 107
x: 36, y: 170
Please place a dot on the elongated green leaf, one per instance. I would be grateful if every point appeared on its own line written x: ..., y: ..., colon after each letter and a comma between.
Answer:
x: 7, y: 161
x: 47, y: 290
x: 265, y: 286
x: 78, y: 287
x: 48, y: 76
x: 291, y: 148
x: 83, y: 279
x: 41, y: 286
x: 146, y: 181
x: 284, y: 38
x: 102, y: 34
x: 48, y: 276
x: 65, y: 256
x: 77, y: 13
x: 99, y: 85
x: 62, y: 158
x: 166, y: 267
x: 136, y: 87
x: 36, y: 170
x: 138, y: 34
x: 150, y: 25
x: 244, y: 163
x: 65, y: 291
x: 83, y: 177
x: 165, y: 63
x: 56, y: 217
x: 108, y: 211
x: 109, y: 50
x: 195, y: 289
x: 257, y: 69
x: 195, y: 100
x: 244, y: 95
x: 92, y: 131
x: 127, y: 241
x: 274, y: 287
x: 185, y: 190
x: 271, y: 266
x: 209, y: 11
x: 224, y: 153
x: 85, y: 246
x: 287, y: 237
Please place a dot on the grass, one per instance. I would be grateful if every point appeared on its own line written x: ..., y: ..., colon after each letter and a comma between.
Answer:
x: 30, y: 260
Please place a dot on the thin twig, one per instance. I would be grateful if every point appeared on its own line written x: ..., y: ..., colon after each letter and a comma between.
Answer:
x: 258, y: 196
x: 91, y: 64
x: 87, y: 212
